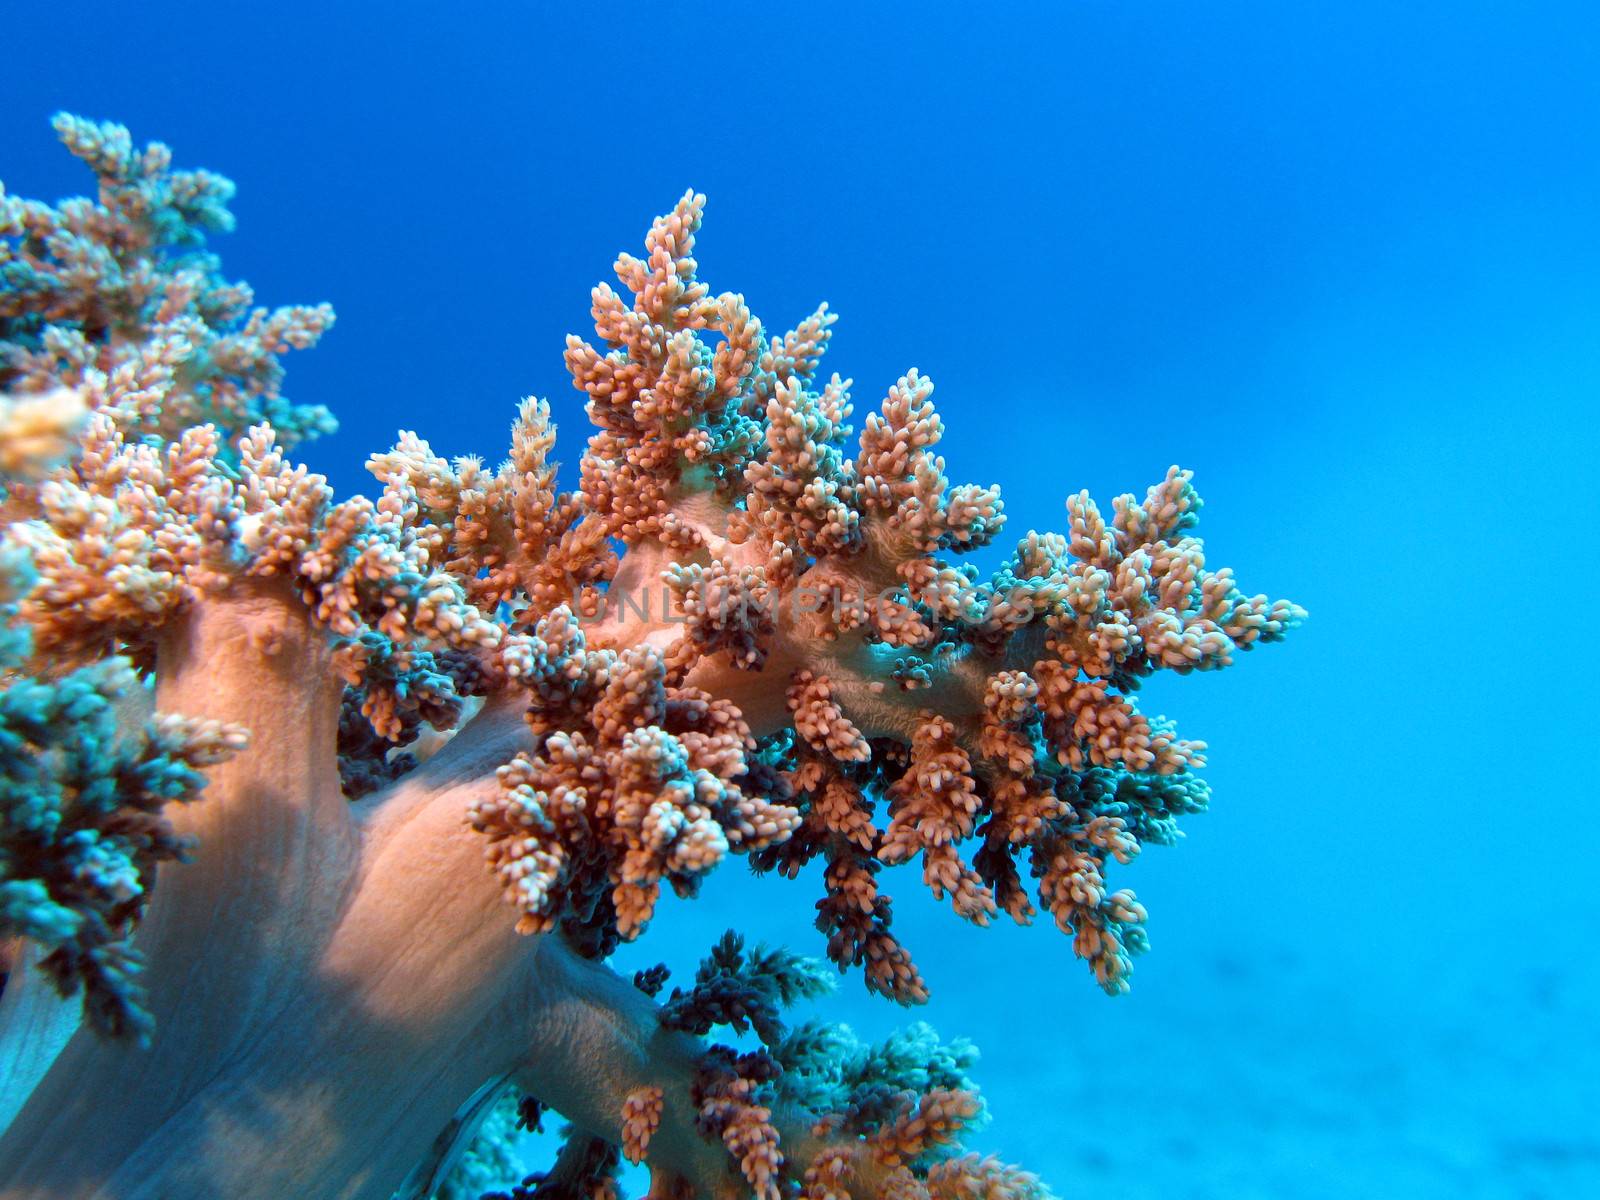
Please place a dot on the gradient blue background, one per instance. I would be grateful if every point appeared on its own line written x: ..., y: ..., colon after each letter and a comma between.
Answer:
x: 1341, y: 260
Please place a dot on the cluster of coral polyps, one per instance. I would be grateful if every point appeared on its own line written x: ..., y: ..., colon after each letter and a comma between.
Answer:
x: 784, y: 662
x: 992, y: 712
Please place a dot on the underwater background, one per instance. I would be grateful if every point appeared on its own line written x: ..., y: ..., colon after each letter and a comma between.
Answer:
x: 1341, y: 261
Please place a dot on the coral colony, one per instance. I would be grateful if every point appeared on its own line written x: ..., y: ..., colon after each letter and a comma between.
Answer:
x: 272, y: 766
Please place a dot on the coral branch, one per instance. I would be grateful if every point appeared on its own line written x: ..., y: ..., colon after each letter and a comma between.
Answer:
x: 118, y: 298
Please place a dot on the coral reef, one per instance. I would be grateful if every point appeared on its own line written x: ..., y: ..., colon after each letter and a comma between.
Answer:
x: 458, y: 697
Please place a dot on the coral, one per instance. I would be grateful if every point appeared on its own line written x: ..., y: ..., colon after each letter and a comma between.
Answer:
x: 38, y: 432
x: 459, y: 697
x: 635, y: 781
x: 490, y: 1161
x: 117, y: 296
x: 84, y: 776
x: 814, y: 1105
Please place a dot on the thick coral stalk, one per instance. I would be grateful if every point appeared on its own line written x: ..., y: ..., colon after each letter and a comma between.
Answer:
x: 323, y: 977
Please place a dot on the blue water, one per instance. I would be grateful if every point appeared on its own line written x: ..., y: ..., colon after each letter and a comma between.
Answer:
x: 1343, y: 263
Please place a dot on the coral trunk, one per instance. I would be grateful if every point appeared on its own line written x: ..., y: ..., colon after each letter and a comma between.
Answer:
x: 328, y: 982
